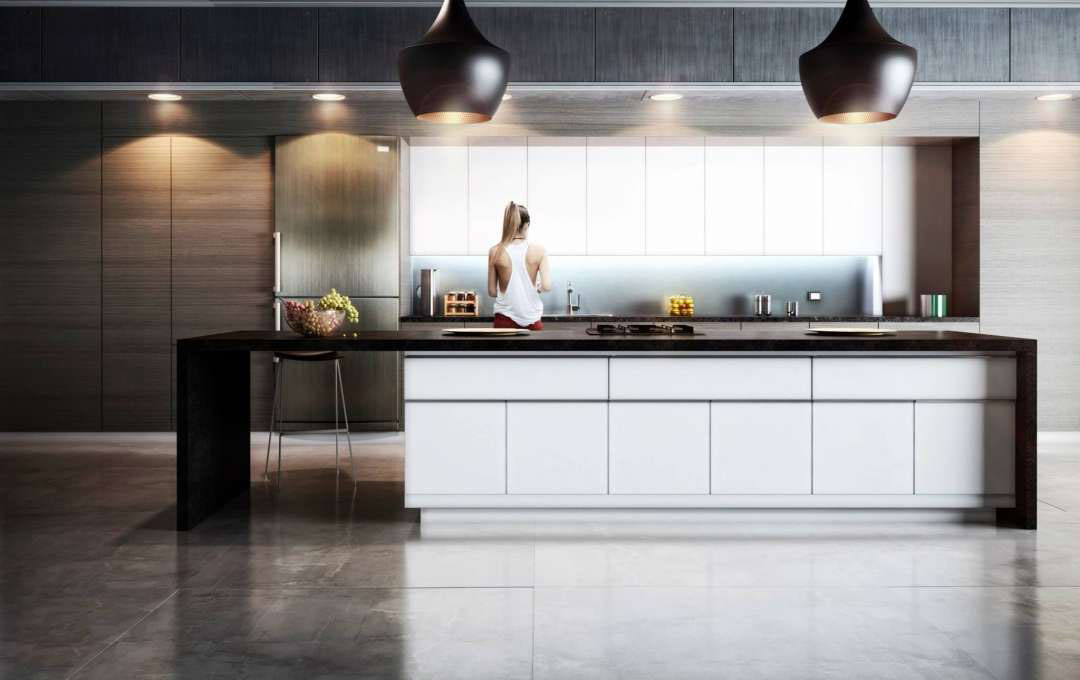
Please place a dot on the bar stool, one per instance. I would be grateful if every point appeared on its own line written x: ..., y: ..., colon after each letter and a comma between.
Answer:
x: 277, y: 410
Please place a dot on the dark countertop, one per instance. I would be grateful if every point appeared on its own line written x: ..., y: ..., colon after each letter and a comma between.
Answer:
x: 600, y: 318
x: 579, y: 341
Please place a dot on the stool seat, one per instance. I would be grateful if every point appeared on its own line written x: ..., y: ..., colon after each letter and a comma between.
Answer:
x: 328, y: 355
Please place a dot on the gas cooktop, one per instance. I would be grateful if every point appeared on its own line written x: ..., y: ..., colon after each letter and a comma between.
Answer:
x: 643, y: 329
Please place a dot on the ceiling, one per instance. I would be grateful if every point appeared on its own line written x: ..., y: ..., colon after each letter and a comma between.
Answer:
x: 552, y: 3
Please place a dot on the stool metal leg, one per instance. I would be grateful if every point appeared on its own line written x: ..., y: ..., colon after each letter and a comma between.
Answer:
x: 345, y: 412
x: 281, y: 430
x: 337, y: 468
x: 273, y: 417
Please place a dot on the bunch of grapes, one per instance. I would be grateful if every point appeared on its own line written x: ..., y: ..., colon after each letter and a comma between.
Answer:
x: 306, y: 319
x: 335, y: 300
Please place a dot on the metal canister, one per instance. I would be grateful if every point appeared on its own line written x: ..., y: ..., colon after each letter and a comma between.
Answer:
x: 792, y: 307
x: 934, y: 304
x: 763, y: 304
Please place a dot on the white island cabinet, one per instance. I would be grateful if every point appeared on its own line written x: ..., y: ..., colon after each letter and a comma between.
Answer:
x: 708, y: 430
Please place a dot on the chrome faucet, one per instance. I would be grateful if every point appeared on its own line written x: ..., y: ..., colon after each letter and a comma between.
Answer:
x: 570, y: 306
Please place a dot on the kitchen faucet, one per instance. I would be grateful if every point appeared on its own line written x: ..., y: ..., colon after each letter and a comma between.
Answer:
x: 570, y: 306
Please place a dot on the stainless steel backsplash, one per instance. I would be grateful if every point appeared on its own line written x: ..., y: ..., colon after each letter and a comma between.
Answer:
x: 720, y: 285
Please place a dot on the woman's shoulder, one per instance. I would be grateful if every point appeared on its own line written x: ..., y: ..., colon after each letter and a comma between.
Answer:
x: 536, y: 249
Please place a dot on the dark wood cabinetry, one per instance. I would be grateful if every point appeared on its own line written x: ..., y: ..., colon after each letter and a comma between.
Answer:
x: 222, y: 245
x: 657, y: 44
x: 249, y: 44
x: 111, y: 44
x: 361, y: 45
x: 20, y: 44
x: 768, y: 41
x: 954, y: 44
x: 136, y: 295
x: 546, y: 44
x: 1045, y: 45
x: 50, y: 267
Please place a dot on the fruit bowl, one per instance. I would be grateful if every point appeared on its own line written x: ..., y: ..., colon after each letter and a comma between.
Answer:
x: 308, y: 320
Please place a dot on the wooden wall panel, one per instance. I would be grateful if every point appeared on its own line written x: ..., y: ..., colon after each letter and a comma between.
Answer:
x: 20, y: 44
x: 136, y: 284
x: 1030, y: 242
x: 111, y: 44
x: 769, y: 40
x: 1045, y: 45
x: 50, y: 282
x: 546, y: 44
x: 249, y: 44
x: 663, y: 44
x: 966, y: 216
x: 954, y: 44
x: 222, y: 245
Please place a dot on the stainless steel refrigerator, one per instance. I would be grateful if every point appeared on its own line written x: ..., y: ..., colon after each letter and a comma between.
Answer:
x: 337, y: 212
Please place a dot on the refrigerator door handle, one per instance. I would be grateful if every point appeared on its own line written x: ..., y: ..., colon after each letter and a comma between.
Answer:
x: 277, y: 262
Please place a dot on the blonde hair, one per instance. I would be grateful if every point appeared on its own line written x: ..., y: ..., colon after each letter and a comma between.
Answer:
x: 515, y: 217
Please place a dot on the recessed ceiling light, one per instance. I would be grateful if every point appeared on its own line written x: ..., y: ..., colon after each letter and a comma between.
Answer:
x: 666, y: 97
x: 1054, y: 97
x: 382, y: 149
x: 164, y: 97
x: 507, y: 96
x: 328, y: 96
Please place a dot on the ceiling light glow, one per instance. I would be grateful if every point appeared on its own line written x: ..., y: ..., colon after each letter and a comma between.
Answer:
x: 1054, y: 97
x: 164, y: 97
x: 328, y: 96
x: 666, y: 97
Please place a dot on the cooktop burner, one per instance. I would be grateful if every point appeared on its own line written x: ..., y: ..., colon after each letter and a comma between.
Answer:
x: 642, y: 329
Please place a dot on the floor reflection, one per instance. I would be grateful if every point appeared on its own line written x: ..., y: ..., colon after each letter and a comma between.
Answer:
x: 312, y: 576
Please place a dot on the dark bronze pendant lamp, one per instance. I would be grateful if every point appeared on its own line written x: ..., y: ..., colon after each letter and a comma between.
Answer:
x: 454, y: 74
x: 859, y: 73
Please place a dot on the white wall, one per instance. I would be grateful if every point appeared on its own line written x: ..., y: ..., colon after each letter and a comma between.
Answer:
x: 694, y: 196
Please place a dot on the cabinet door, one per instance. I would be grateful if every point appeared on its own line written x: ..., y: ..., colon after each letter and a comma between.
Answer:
x: 769, y: 40
x: 863, y: 448
x: 455, y: 447
x: 659, y: 447
x: 548, y: 44
x: 675, y: 196
x: 616, y: 196
x: 734, y: 196
x: 438, y: 196
x: 575, y: 462
x: 964, y: 447
x: 496, y: 177
x: 111, y: 44
x: 793, y: 201
x: 663, y: 44
x: 761, y: 448
x: 954, y: 44
x: 249, y: 44
x: 852, y: 196
x: 361, y: 44
x: 1045, y: 45
x: 20, y: 34
x: 557, y: 193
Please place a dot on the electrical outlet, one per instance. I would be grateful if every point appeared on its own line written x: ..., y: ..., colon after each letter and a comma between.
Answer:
x: 813, y: 295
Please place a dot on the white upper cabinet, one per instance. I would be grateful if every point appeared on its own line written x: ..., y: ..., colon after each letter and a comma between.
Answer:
x: 438, y: 196
x: 734, y: 196
x: 496, y: 177
x: 852, y: 199
x: 557, y: 193
x: 793, y: 196
x: 675, y: 196
x: 616, y: 196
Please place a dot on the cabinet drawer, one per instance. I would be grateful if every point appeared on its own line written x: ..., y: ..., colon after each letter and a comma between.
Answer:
x: 915, y: 378
x: 691, y: 378
x: 455, y: 448
x: 964, y: 448
x: 761, y: 447
x: 518, y: 378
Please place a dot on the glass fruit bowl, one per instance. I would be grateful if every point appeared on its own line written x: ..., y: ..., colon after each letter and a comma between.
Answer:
x: 307, y: 319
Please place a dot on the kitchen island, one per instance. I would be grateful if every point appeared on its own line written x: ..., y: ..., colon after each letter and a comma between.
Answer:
x: 561, y: 419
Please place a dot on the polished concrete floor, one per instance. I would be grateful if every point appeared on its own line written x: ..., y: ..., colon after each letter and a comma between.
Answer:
x: 325, y: 580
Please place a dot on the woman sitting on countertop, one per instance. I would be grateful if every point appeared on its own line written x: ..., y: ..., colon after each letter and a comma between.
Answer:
x: 517, y: 273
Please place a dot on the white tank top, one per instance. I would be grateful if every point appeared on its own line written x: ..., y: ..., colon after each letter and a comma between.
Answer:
x: 519, y: 301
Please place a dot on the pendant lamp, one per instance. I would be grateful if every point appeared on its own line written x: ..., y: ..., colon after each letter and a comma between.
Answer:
x: 859, y: 73
x: 454, y: 74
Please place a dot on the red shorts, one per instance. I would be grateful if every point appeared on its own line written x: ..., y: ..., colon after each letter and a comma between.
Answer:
x: 506, y: 322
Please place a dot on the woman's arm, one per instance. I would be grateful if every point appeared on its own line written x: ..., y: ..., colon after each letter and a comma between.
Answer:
x: 493, y: 278
x: 545, y: 274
